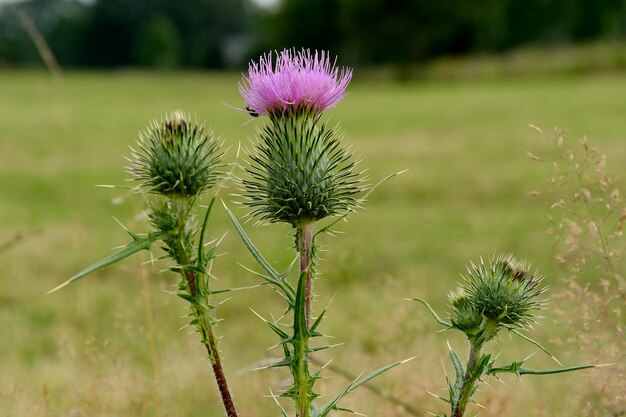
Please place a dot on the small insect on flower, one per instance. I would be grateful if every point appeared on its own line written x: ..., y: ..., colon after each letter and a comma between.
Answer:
x: 248, y: 110
x: 252, y: 112
x: 296, y: 80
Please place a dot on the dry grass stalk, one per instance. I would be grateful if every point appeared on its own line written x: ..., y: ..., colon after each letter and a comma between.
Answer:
x: 588, y: 213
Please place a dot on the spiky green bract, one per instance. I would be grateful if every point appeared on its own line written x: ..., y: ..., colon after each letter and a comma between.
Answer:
x: 300, y: 173
x: 464, y: 315
x: 504, y: 291
x: 176, y: 157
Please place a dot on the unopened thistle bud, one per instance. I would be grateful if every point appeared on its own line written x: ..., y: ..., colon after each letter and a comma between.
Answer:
x: 175, y: 158
x: 464, y: 315
x: 300, y: 173
x: 505, y: 291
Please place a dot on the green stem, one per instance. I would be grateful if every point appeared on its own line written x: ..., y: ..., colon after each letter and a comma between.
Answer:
x: 469, y: 379
x: 302, y: 318
x: 305, y: 250
x: 209, y: 340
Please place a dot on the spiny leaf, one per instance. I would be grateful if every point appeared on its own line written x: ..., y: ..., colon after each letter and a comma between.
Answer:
x: 317, y: 349
x: 285, y: 338
x: 186, y: 297
x: 283, y: 362
x: 201, y: 254
x: 300, y: 330
x: 355, y: 384
x: 516, y: 368
x: 528, y: 339
x: 317, y: 323
x: 213, y: 292
x: 458, y: 367
x: 433, y: 312
x: 274, y: 277
x: 135, y: 246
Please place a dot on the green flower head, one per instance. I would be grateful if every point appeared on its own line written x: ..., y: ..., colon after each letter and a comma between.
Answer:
x: 504, y: 291
x: 175, y: 158
x: 300, y: 173
x: 464, y: 315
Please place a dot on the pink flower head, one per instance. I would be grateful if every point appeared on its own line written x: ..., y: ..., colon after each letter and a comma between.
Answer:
x: 299, y: 79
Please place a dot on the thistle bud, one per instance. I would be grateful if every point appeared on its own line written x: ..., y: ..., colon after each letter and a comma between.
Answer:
x: 505, y: 291
x: 175, y: 158
x: 464, y: 315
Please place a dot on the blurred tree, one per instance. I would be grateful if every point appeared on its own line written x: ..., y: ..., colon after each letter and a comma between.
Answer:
x: 305, y: 23
x: 111, y: 30
x: 118, y: 33
x: 217, y: 33
x: 66, y: 37
x: 405, y: 31
x: 158, y: 43
x: 55, y: 19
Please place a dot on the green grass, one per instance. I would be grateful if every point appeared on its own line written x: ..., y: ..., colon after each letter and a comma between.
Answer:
x: 86, y: 350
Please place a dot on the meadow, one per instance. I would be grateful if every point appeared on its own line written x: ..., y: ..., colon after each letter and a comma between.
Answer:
x: 112, y: 344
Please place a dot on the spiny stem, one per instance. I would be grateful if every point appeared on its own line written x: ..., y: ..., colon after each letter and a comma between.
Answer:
x: 301, y: 329
x: 218, y: 371
x: 208, y: 337
x: 469, y: 380
x: 305, y: 243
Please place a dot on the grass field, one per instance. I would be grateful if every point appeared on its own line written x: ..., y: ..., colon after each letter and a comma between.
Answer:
x: 93, y: 350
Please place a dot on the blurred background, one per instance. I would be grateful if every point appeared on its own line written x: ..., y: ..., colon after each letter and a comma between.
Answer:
x: 446, y: 90
x: 212, y: 34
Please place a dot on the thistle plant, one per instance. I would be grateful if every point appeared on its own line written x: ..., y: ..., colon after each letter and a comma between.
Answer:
x: 300, y: 174
x: 502, y: 294
x: 175, y: 163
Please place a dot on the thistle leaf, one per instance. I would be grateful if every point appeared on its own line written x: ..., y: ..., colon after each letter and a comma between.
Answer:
x: 458, y: 367
x: 138, y: 244
x: 313, y: 329
x: 300, y: 330
x: 201, y: 255
x: 528, y: 339
x: 332, y: 405
x: 280, y: 332
x: 433, y: 312
x: 516, y: 368
x: 273, y: 276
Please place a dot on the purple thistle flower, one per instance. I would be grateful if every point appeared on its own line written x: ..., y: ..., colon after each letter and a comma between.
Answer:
x: 299, y: 79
